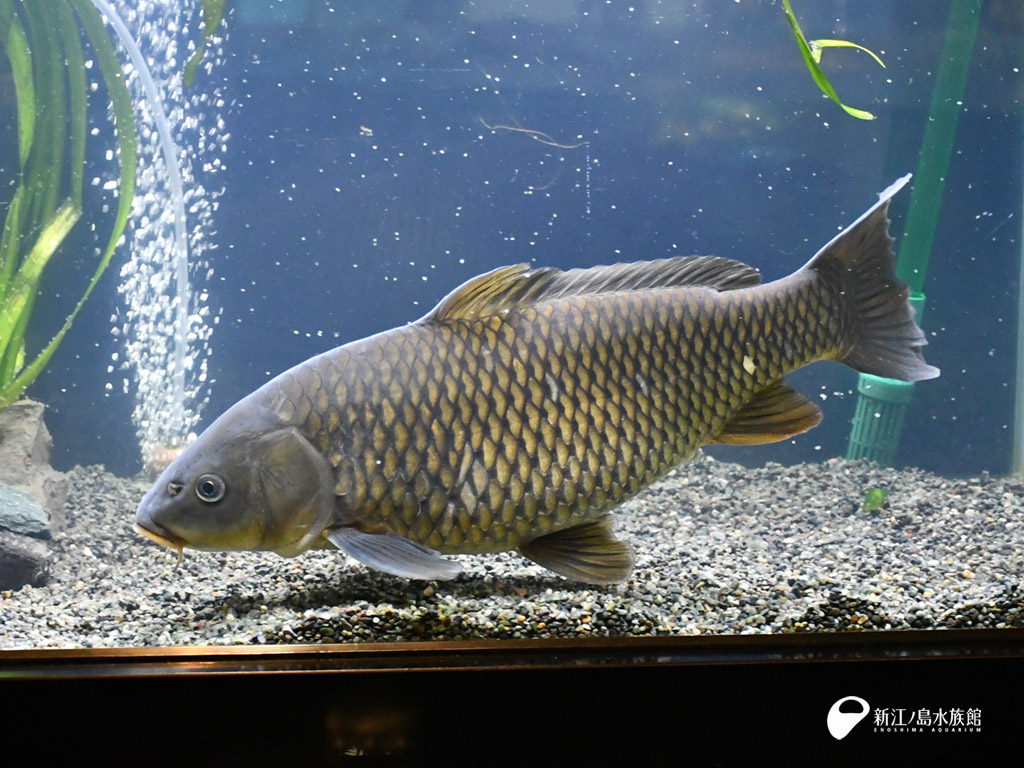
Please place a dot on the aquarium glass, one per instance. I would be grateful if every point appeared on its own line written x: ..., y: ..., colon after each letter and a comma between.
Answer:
x: 334, y: 169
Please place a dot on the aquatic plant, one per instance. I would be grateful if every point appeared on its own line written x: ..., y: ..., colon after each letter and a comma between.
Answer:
x: 875, y: 500
x: 165, y: 320
x: 43, y: 43
x: 213, y: 12
x: 811, y: 51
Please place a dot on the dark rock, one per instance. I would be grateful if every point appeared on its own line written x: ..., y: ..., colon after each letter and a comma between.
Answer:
x: 21, y: 513
x: 23, y: 560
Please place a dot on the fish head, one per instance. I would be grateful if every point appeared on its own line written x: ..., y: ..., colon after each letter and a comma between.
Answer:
x: 241, y: 489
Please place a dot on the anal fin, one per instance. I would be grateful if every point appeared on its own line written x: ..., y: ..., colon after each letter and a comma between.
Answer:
x: 778, y: 411
x: 587, y: 553
x: 393, y: 554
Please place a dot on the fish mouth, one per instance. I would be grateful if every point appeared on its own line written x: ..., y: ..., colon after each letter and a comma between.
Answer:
x: 166, y: 539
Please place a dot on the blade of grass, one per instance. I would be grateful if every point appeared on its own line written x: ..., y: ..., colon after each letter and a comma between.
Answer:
x: 812, y: 64
x: 113, y: 75
x: 46, y: 163
x: 15, y: 43
x: 71, y: 39
x: 41, y: 178
x: 117, y: 89
x: 14, y: 40
x: 213, y: 12
x: 14, y: 356
x: 817, y: 45
x: 48, y: 242
x: 11, y: 240
x: 25, y: 284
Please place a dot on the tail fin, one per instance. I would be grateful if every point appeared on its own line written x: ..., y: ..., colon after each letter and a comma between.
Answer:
x: 886, y: 340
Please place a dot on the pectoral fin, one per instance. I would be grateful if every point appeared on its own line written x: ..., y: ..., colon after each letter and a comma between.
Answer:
x: 588, y: 553
x: 776, y: 412
x: 393, y: 554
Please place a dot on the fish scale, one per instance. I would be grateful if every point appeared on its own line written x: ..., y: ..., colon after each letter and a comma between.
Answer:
x: 586, y: 399
x: 528, y: 404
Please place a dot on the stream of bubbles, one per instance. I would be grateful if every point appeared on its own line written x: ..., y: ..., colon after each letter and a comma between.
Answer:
x: 166, y: 324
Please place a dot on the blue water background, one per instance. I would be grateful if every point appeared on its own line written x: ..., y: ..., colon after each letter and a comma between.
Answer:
x: 697, y: 130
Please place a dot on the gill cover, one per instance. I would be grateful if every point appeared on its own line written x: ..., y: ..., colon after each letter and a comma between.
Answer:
x: 294, y: 489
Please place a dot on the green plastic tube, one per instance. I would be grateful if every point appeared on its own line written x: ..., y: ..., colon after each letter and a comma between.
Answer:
x: 882, y: 403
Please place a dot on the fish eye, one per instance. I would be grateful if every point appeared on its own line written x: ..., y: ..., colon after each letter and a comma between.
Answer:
x: 210, y: 488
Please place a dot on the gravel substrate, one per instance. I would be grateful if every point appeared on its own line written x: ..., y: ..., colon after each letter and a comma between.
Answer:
x: 719, y: 549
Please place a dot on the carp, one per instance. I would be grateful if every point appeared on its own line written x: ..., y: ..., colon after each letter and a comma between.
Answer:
x: 528, y: 404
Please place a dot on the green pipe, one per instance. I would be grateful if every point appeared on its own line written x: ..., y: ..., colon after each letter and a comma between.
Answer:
x: 937, y: 146
x: 882, y: 403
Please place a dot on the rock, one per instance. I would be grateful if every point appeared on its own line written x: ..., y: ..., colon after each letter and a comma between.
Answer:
x: 21, y: 513
x: 25, y: 446
x: 23, y: 560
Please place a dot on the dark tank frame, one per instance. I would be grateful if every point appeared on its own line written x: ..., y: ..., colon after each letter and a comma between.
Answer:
x: 741, y: 699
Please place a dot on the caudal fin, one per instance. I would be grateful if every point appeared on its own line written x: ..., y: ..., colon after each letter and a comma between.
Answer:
x: 886, y: 340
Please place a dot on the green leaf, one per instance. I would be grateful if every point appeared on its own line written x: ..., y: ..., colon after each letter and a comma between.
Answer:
x: 25, y: 284
x: 14, y: 357
x: 46, y: 163
x: 77, y: 93
x: 46, y: 124
x: 817, y: 45
x: 10, y: 241
x: 15, y: 43
x: 110, y: 66
x: 812, y: 56
x: 213, y: 12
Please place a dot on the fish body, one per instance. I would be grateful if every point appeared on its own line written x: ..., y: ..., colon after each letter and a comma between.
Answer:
x: 528, y: 404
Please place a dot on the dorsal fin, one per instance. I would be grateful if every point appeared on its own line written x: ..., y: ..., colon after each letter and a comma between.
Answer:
x: 519, y: 284
x: 489, y: 293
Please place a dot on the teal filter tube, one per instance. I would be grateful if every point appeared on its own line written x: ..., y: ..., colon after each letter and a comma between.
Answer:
x: 882, y: 403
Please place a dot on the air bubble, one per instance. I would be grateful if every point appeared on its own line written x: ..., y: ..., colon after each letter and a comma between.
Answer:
x: 155, y: 345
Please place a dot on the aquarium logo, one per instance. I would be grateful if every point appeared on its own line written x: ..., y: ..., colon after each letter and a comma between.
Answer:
x: 842, y: 719
x: 904, y: 720
x: 850, y: 710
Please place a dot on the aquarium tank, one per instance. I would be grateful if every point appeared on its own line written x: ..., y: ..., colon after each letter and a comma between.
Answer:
x: 798, y: 431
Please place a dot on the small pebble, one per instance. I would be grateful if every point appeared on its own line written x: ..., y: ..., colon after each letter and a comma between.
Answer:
x: 719, y: 549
